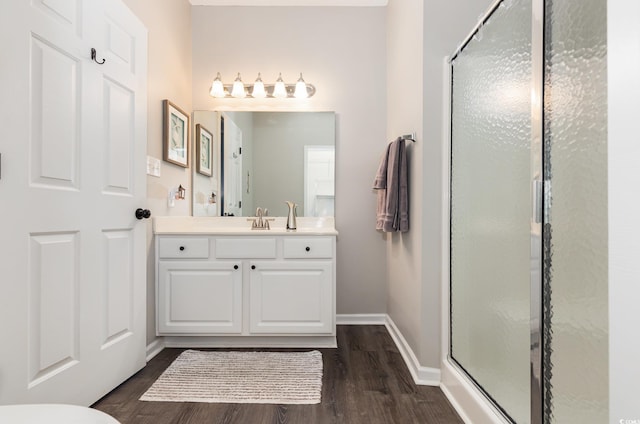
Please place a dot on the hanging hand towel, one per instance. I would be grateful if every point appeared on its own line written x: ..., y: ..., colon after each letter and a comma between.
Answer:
x: 391, y: 183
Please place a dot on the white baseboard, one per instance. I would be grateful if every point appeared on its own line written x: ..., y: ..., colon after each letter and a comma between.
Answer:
x: 466, y: 399
x: 154, y: 348
x: 251, y: 342
x: 424, y: 376
x: 361, y: 319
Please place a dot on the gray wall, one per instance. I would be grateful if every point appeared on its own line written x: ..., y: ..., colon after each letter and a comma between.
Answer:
x: 169, y: 77
x: 418, y: 39
x: 341, y: 50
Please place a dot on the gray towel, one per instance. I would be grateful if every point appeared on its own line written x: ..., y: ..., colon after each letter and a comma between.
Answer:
x: 391, y: 183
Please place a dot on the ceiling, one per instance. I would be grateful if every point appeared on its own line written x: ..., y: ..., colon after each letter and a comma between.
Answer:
x: 288, y: 2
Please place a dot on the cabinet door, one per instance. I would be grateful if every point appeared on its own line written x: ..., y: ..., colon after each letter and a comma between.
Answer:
x: 291, y: 297
x: 199, y: 297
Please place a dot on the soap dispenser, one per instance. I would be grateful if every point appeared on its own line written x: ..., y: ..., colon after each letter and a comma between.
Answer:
x: 291, y: 217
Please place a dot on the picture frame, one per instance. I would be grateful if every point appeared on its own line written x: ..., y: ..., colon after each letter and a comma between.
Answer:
x: 204, y: 151
x: 175, y: 135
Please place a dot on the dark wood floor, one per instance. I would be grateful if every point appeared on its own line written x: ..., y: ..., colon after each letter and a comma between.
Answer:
x: 365, y: 381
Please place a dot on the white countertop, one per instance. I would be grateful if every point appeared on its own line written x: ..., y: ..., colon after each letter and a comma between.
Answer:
x: 241, y: 226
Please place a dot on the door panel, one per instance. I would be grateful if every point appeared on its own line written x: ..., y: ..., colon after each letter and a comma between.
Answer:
x: 53, y: 305
x: 119, y: 107
x: 491, y: 208
x: 55, y: 115
x: 576, y: 231
x: 119, y: 285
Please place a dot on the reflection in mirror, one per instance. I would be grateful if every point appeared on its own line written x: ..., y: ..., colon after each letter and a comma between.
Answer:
x: 262, y: 159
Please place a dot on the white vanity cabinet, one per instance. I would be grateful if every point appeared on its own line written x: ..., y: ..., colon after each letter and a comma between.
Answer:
x: 264, y: 289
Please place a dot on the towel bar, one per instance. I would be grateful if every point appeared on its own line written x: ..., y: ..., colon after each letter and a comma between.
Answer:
x: 409, y: 137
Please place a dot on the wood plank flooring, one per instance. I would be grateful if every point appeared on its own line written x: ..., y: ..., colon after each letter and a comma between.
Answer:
x: 365, y: 381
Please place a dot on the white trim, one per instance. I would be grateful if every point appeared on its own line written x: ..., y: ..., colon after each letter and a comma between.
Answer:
x: 359, y: 3
x: 323, y: 342
x: 445, y: 224
x: 425, y: 376
x: 154, y: 348
x: 361, y: 319
x: 623, y: 56
x: 466, y: 399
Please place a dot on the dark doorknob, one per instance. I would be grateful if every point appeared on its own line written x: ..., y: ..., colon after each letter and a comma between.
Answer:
x: 143, y: 213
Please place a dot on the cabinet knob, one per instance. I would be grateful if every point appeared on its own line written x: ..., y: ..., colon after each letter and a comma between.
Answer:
x: 253, y: 267
x: 181, y: 248
x: 235, y: 267
x: 308, y: 249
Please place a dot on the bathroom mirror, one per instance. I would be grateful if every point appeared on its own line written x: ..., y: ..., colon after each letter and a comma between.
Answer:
x: 262, y: 159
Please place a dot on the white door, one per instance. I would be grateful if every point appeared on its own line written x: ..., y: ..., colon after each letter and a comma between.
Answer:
x: 72, y: 254
x: 319, y: 180
x: 232, y: 168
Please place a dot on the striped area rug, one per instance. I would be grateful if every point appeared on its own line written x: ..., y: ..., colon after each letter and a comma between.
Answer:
x: 240, y: 377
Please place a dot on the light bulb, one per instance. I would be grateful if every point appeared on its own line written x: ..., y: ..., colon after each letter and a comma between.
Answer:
x: 301, y: 89
x: 279, y: 90
x: 217, y: 89
x: 258, y: 89
x: 238, y: 88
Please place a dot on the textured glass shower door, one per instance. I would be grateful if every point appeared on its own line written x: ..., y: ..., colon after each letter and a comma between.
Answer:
x: 491, y: 207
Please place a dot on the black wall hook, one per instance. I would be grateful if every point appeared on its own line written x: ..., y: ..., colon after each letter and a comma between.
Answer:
x: 93, y: 57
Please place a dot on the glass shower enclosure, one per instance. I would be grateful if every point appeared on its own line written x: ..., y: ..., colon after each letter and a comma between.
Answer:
x: 528, y: 209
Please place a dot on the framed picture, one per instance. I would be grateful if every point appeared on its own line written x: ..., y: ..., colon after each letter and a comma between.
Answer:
x: 175, y: 135
x: 204, y: 142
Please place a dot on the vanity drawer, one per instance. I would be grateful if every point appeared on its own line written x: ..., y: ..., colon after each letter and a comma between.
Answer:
x: 238, y: 248
x: 183, y: 247
x: 308, y: 247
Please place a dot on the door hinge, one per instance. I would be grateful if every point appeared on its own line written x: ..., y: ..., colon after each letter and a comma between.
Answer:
x: 541, y: 201
x: 536, y: 201
x: 546, y: 204
x: 240, y: 150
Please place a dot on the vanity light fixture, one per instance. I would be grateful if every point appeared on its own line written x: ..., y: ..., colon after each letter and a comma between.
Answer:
x: 259, y: 90
x: 238, y: 88
x: 301, y: 89
x: 217, y: 88
x: 279, y: 90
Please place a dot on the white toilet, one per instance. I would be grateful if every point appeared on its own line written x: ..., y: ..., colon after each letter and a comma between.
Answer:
x: 53, y: 414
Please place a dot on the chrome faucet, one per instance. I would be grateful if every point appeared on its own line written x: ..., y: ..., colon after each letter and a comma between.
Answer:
x: 291, y: 217
x: 260, y: 222
x: 259, y: 215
